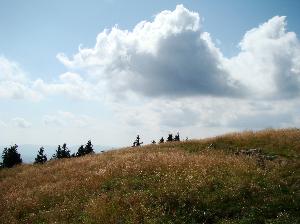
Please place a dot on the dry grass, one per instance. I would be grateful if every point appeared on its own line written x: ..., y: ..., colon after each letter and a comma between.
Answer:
x: 282, y: 142
x: 170, y: 183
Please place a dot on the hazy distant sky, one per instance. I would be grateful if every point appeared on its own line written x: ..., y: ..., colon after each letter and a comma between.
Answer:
x: 108, y: 70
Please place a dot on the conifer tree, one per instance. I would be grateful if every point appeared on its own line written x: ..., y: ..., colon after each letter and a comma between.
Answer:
x: 58, y: 153
x: 137, y: 142
x: 170, y: 138
x: 177, y: 138
x: 11, y: 157
x: 62, y: 152
x: 65, y: 151
x: 41, y: 157
x: 81, y: 151
x: 162, y: 140
x: 84, y: 150
x: 89, y: 147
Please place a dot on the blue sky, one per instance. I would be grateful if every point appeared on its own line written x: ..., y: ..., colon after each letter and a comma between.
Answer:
x: 50, y: 108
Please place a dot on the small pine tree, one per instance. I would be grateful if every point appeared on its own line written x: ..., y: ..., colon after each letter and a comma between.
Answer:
x: 62, y: 152
x: 177, y: 138
x: 170, y: 138
x: 81, y: 151
x: 11, y: 157
x: 84, y: 150
x: 137, y: 142
x: 89, y: 147
x: 162, y: 140
x: 57, y: 154
x: 65, y: 151
x: 41, y: 157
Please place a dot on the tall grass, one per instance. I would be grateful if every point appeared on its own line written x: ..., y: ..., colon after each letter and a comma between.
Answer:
x: 184, y: 182
x: 282, y: 142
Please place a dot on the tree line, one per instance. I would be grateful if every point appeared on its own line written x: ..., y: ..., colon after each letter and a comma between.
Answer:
x: 170, y: 138
x: 11, y: 157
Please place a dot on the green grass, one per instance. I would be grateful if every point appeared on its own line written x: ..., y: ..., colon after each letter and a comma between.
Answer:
x: 183, y: 182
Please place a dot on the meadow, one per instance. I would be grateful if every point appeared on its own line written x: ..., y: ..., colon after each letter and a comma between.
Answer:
x: 196, y: 181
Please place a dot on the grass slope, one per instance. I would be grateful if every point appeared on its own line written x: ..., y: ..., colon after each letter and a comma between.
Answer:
x: 199, y: 181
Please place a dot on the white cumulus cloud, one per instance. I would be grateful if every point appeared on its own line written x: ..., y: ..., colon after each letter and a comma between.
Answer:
x: 269, y: 61
x: 21, y: 122
x: 65, y: 118
x: 14, y: 83
x: 173, y: 56
x: 69, y: 84
x: 170, y: 56
x: 176, y: 76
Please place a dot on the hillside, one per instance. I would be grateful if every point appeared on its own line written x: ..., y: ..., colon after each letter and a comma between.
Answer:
x: 248, y: 177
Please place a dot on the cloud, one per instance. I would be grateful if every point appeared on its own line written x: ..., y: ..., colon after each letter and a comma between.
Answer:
x: 64, y: 118
x: 269, y: 61
x: 207, y: 113
x: 262, y: 120
x: 21, y: 122
x: 14, y: 83
x: 166, y: 114
x: 173, y: 56
x: 169, y: 74
x: 273, y: 114
x: 176, y: 77
x: 179, y: 117
x: 69, y: 84
x: 11, y: 71
x: 2, y: 124
x: 53, y: 120
x: 170, y: 56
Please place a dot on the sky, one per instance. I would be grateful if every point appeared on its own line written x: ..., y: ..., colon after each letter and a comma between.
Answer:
x: 108, y: 70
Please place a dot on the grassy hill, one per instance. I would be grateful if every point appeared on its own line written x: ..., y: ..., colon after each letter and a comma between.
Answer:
x: 216, y: 180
